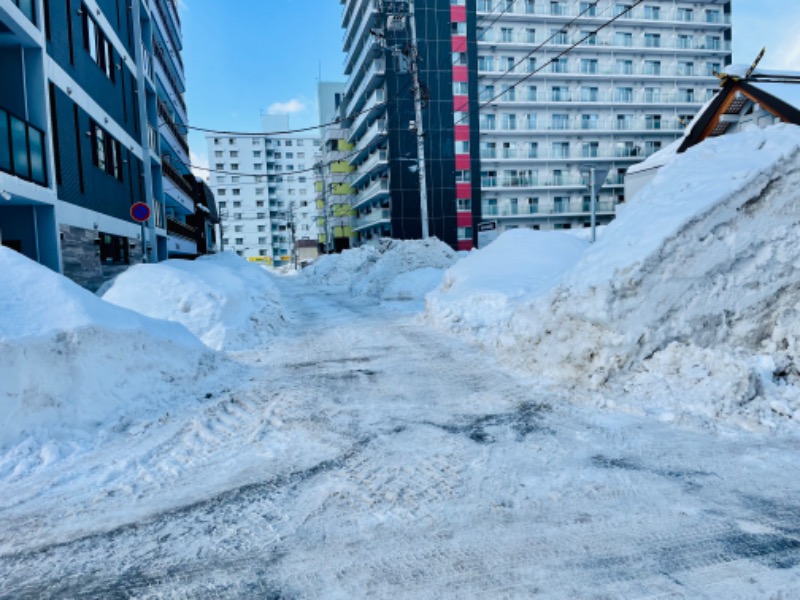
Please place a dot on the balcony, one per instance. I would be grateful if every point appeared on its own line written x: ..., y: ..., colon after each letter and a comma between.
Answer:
x: 167, y: 119
x: 181, y: 229
x: 374, y: 217
x: 22, y: 149
x: 377, y: 162
x: 377, y: 190
x: 178, y: 87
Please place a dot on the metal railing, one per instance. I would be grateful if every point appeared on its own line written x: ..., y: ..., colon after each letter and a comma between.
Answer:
x: 177, y: 179
x: 22, y: 149
x: 166, y: 117
x: 181, y: 229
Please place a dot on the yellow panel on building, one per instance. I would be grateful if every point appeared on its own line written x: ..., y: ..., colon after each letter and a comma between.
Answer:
x: 342, y: 166
x: 322, y: 239
x: 343, y: 210
x: 343, y: 146
x: 341, y: 189
x: 317, y: 186
x: 260, y: 259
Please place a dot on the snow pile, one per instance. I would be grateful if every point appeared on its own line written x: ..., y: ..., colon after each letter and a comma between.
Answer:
x: 480, y: 293
x: 70, y: 360
x: 689, y: 301
x: 225, y: 301
x: 392, y: 269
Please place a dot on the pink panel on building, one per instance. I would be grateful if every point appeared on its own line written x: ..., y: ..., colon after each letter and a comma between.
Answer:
x: 463, y: 190
x: 459, y: 43
x: 462, y: 162
x: 464, y: 219
x: 460, y: 73
x: 462, y: 131
x: 465, y: 244
x: 458, y: 14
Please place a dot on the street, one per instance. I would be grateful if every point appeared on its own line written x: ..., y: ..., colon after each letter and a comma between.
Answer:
x: 363, y: 454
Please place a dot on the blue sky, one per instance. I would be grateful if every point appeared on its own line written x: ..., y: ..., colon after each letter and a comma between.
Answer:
x: 257, y: 55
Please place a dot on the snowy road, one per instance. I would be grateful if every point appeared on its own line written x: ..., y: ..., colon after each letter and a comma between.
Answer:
x: 362, y: 455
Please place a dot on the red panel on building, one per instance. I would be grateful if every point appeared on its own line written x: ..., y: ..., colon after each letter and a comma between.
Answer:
x: 464, y: 219
x: 460, y: 73
x: 465, y: 244
x: 464, y: 190
x: 458, y: 14
x: 462, y: 131
x: 462, y: 162
x: 459, y: 43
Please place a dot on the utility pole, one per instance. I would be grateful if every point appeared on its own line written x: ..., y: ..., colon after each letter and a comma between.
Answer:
x: 292, y: 233
x: 328, y: 240
x: 423, y: 184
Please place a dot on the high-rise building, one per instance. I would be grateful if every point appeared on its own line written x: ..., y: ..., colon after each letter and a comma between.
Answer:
x: 264, y: 185
x: 91, y: 123
x: 334, y: 170
x: 379, y: 98
x: 546, y: 111
x: 521, y: 97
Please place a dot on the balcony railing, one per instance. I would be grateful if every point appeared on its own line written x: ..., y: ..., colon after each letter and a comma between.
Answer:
x: 170, y: 34
x: 162, y: 60
x: 22, y: 149
x: 166, y: 117
x: 181, y: 229
x: 177, y: 179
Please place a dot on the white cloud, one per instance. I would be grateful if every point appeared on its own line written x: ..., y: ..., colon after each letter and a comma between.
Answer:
x: 287, y: 108
x: 199, y: 160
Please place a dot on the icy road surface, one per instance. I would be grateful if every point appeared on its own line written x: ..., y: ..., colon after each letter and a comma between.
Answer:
x: 362, y: 455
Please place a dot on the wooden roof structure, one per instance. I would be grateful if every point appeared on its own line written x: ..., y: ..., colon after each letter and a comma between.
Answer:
x: 738, y: 97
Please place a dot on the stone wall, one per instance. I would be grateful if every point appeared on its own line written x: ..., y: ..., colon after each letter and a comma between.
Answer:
x: 80, y: 252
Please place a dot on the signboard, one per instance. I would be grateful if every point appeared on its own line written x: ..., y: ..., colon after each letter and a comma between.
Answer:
x: 140, y: 212
x: 260, y: 259
x: 487, y: 233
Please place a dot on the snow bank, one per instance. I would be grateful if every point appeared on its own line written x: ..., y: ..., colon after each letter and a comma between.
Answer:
x: 689, y: 299
x: 480, y: 293
x: 70, y: 360
x: 392, y: 269
x: 225, y: 301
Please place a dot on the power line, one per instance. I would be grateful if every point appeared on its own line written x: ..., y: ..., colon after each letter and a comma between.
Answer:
x: 548, y: 40
x: 551, y: 61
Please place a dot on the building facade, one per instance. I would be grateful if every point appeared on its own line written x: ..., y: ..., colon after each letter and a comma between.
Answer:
x: 82, y: 129
x: 521, y: 98
x: 618, y: 96
x: 381, y: 127
x: 264, y: 186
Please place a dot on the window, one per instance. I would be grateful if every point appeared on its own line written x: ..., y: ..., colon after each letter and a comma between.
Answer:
x: 589, y: 65
x: 218, y: 154
x: 97, y: 45
x: 223, y: 204
x: 234, y: 166
x: 460, y: 88
x: 238, y: 228
x: 239, y: 241
x: 237, y: 203
x: 259, y: 203
x: 113, y: 250
x: 106, y: 152
x: 652, y: 12
x: 221, y: 192
x: 463, y: 205
x: 652, y: 40
x: 652, y: 67
x: 262, y: 228
x: 258, y: 166
x: 465, y: 233
x: 590, y: 149
x: 462, y: 176
x: 234, y: 153
x: 236, y: 192
x: 622, y: 38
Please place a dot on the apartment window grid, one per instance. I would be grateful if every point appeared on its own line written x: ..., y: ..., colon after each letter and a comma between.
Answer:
x: 627, y: 92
